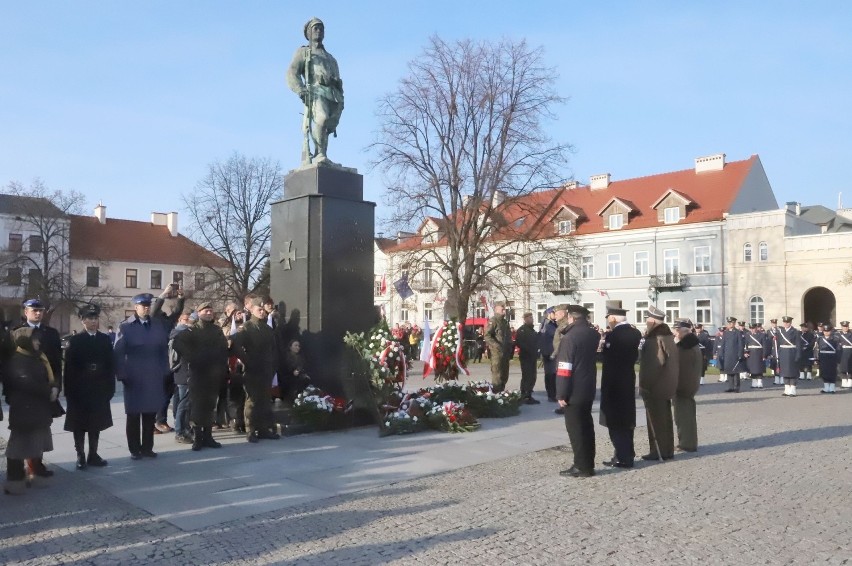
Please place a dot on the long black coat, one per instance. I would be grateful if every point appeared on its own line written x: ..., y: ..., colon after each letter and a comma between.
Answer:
x: 27, y: 386
x: 576, y: 372
x: 204, y: 347
x: 827, y: 351
x: 526, y: 339
x: 729, y: 351
x: 845, y: 341
x: 618, y: 377
x: 788, y: 343
x: 806, y: 340
x: 754, y: 347
x: 89, y: 380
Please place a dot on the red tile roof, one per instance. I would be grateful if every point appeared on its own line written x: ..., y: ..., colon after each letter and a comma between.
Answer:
x: 131, y: 240
x: 712, y: 194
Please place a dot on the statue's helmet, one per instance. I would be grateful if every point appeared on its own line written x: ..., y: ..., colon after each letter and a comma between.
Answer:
x: 311, y: 23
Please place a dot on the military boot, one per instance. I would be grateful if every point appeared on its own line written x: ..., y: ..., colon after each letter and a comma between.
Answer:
x: 198, y: 439
x: 207, y: 439
x: 82, y: 464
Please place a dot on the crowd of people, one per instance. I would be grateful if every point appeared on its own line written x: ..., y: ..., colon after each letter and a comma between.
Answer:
x: 214, y: 373
x: 672, y: 364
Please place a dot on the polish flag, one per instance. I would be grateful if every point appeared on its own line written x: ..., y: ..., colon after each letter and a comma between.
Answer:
x: 384, y: 287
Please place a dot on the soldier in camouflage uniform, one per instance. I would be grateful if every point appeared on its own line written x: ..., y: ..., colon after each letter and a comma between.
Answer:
x: 499, y: 340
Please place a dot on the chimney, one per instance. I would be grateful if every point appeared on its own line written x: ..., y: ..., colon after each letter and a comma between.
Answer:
x: 172, y: 223
x: 158, y: 218
x: 497, y: 198
x: 710, y: 163
x: 571, y: 185
x: 794, y: 207
x: 100, y: 213
x: 599, y: 181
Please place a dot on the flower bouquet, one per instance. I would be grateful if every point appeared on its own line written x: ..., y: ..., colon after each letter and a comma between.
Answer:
x: 449, y: 391
x: 383, y: 354
x: 452, y: 417
x: 408, y: 415
x: 315, y: 408
x: 446, y: 356
x: 484, y: 402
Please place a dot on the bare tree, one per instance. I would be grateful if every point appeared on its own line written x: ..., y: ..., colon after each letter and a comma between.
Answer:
x: 463, y: 144
x: 229, y: 212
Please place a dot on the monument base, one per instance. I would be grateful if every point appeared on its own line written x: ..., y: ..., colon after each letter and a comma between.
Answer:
x: 321, y: 271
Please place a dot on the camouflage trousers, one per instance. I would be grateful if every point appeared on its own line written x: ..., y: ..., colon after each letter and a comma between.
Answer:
x: 499, y: 372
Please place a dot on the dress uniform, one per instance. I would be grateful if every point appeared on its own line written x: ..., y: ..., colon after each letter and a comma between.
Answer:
x: 755, y: 344
x: 827, y: 351
x: 729, y: 351
x: 89, y: 383
x: 770, y: 350
x: 744, y: 332
x: 789, y: 344
x: 706, y: 346
x: 844, y: 338
x: 576, y: 386
x: 807, y: 339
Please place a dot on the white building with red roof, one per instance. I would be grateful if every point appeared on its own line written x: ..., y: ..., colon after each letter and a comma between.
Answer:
x: 658, y: 239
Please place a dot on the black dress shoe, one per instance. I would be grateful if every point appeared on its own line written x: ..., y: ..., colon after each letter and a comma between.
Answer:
x: 96, y: 461
x: 149, y: 454
x: 730, y: 390
x: 575, y: 472
x: 531, y: 401
x: 552, y: 399
x: 616, y: 464
x: 559, y: 411
x: 135, y: 455
x: 81, y: 461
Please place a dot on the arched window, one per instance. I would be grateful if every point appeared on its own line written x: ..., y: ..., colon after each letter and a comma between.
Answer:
x: 763, y: 251
x: 747, y: 253
x: 755, y: 309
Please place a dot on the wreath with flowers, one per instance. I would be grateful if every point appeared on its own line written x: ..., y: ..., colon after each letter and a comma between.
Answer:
x: 383, y: 354
x: 452, y: 417
x: 315, y: 407
x: 446, y: 357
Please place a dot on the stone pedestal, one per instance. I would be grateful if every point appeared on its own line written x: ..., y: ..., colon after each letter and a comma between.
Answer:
x: 322, y: 268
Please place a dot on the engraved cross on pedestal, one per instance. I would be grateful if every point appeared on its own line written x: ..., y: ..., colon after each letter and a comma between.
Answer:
x: 288, y: 257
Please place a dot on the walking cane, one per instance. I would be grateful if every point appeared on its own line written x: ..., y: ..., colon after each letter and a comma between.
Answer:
x: 654, y: 432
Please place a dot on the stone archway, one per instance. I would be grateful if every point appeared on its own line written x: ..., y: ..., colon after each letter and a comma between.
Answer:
x: 819, y: 305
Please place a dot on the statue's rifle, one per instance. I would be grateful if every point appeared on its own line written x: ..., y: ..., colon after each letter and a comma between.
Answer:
x: 306, y: 146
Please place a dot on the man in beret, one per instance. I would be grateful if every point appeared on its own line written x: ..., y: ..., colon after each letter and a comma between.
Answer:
x: 526, y: 339
x: 788, y: 343
x: 256, y: 346
x: 729, y: 353
x: 576, y: 386
x: 618, y: 384
x: 658, y: 373
x: 205, y: 349
x: 89, y: 383
x: 499, y: 340
x: 844, y: 336
x: 314, y: 76
x: 142, y: 364
x: 51, y: 347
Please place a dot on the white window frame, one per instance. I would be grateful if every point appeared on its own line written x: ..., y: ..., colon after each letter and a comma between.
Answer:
x: 587, y: 268
x: 672, y: 308
x: 699, y: 267
x: 671, y: 265
x: 702, y: 310
x: 541, y: 272
x: 616, y: 221
x: 403, y: 314
x: 565, y: 227
x: 671, y: 215
x: 510, y: 311
x: 757, y: 309
x: 747, y: 256
x: 762, y: 251
x: 479, y: 311
x: 640, y: 308
x: 563, y: 276
x: 539, y: 311
x: 613, y: 265
x: 641, y: 266
x: 427, y: 311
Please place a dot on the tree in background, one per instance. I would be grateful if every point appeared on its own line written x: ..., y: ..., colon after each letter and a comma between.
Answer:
x: 230, y: 216
x: 463, y: 145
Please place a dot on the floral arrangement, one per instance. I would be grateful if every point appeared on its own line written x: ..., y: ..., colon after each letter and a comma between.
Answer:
x: 452, y: 417
x: 484, y: 402
x: 408, y: 416
x: 315, y: 408
x: 446, y: 357
x: 384, y: 355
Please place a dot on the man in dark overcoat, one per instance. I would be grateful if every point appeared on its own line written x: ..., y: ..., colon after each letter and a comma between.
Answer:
x: 729, y: 353
x: 659, y: 365
x: 560, y: 317
x: 576, y: 387
x: 545, y: 348
x: 755, y: 354
x: 526, y: 339
x: 807, y: 339
x: 844, y: 337
x: 141, y: 363
x: 827, y: 351
x: 788, y: 343
x: 256, y: 346
x: 706, y: 346
x: 204, y: 347
x: 89, y: 383
x: 618, y: 384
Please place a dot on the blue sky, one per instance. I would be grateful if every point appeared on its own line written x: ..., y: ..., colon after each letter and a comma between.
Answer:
x: 129, y: 102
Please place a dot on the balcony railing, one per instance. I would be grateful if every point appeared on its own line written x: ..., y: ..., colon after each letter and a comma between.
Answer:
x: 423, y: 285
x: 560, y: 287
x: 669, y: 281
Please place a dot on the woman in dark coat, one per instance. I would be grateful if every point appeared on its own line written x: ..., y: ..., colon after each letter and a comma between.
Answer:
x: 30, y: 389
x: 89, y: 386
x: 295, y: 377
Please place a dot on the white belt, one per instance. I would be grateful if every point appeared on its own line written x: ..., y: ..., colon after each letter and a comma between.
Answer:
x: 847, y: 347
x: 788, y: 346
x: 827, y: 352
x: 755, y: 347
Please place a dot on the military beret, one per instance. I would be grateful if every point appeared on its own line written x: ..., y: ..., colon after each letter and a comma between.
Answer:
x: 143, y: 299
x: 731, y: 319
x: 655, y: 313
x: 844, y: 323
x: 787, y: 319
x: 561, y: 307
x: 577, y: 310
x: 34, y: 304
x: 90, y: 311
x: 204, y: 305
x: 310, y: 24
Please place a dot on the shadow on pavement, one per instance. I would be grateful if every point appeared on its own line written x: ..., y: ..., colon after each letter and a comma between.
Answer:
x: 777, y: 439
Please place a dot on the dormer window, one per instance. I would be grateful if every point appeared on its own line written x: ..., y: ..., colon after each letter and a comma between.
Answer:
x: 616, y: 221
x: 672, y: 207
x: 565, y: 227
x: 672, y: 214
